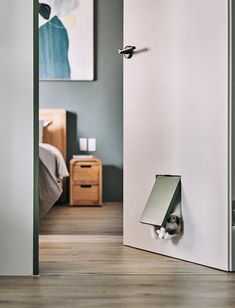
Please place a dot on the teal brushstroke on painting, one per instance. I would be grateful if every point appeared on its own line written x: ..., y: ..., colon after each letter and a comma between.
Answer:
x: 53, y: 50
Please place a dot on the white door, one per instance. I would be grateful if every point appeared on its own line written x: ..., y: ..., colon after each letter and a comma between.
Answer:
x: 176, y: 122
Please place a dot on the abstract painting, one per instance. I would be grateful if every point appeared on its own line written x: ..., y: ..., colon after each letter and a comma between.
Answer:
x: 66, y: 43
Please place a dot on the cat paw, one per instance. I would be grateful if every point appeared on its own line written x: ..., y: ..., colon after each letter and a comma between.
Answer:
x: 161, y: 233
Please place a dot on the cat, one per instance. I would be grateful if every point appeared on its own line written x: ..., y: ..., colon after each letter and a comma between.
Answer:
x: 174, y: 222
x: 173, y: 226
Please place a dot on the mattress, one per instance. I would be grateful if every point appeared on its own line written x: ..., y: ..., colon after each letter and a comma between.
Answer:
x: 52, y: 169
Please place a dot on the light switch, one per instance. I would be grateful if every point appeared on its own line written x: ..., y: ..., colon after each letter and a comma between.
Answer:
x: 83, y: 144
x: 92, y: 144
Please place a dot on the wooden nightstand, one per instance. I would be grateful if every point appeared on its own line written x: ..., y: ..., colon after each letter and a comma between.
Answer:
x: 86, y: 182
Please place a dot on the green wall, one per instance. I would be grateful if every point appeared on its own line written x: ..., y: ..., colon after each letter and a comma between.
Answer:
x: 96, y: 107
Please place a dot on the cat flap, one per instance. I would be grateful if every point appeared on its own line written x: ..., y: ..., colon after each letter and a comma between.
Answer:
x: 165, y: 194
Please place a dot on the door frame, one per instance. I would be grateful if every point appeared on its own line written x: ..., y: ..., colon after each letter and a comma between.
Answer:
x: 35, y: 141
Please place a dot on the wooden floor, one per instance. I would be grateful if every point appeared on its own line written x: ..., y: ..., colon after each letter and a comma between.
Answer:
x: 84, y: 264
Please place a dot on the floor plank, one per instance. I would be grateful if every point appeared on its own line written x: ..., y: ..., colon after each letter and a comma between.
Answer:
x: 84, y: 220
x: 84, y: 264
x: 119, y: 291
x: 104, y: 254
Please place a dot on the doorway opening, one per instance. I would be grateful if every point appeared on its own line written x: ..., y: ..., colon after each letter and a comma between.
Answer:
x: 70, y: 110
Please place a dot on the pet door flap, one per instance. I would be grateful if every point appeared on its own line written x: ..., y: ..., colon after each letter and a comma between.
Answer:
x: 162, y: 200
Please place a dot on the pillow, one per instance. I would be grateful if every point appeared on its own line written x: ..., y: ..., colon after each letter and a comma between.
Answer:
x: 43, y: 124
x: 40, y: 131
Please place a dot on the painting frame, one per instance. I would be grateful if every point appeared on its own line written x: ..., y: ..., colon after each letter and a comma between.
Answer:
x: 70, y: 26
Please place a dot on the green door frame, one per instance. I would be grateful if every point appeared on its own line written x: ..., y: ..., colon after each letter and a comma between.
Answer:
x: 36, y: 141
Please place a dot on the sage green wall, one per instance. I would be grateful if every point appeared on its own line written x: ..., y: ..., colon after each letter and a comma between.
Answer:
x: 97, y: 106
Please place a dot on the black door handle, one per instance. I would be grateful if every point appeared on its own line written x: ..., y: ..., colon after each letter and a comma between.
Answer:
x: 127, y: 51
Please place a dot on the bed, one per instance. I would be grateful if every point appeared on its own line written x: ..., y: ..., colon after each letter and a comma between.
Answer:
x: 52, y: 157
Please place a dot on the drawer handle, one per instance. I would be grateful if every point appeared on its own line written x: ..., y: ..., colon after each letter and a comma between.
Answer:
x: 85, y: 186
x: 85, y: 166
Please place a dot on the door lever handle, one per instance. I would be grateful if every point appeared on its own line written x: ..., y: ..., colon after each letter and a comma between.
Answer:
x: 127, y: 51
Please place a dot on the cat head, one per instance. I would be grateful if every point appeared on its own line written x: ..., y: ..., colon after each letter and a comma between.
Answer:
x: 173, y: 225
x: 173, y: 219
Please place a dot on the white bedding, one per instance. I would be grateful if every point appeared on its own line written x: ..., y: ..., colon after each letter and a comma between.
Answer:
x: 53, y: 160
x: 52, y: 170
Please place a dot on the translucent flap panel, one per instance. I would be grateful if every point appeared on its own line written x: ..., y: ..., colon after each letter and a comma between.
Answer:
x: 164, y: 195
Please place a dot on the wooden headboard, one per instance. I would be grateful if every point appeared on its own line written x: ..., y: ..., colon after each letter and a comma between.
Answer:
x: 56, y: 133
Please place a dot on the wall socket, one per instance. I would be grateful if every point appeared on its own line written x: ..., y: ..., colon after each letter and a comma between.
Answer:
x: 87, y: 144
x: 83, y: 144
x: 92, y: 144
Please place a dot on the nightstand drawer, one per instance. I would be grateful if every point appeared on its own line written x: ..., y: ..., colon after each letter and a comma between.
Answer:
x: 85, y: 182
x: 85, y: 172
x: 85, y: 194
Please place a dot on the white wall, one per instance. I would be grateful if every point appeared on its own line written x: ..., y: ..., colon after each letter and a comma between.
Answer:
x: 176, y: 121
x: 16, y: 137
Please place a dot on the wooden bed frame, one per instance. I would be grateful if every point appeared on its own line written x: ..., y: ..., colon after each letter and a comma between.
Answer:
x: 56, y: 133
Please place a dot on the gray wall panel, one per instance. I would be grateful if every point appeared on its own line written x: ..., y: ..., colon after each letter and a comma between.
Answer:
x: 16, y: 138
